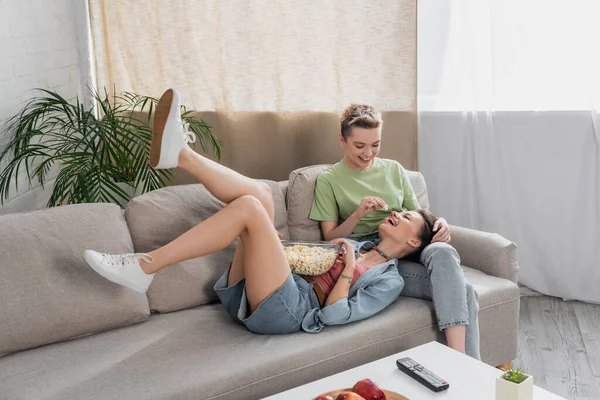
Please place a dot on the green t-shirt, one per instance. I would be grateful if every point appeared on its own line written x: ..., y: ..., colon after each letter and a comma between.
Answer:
x: 340, y: 189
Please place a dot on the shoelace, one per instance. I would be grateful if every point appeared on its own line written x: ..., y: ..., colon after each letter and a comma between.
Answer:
x: 122, y: 259
x: 189, y: 137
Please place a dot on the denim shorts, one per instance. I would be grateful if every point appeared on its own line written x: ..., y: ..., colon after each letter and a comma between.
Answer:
x: 281, y: 312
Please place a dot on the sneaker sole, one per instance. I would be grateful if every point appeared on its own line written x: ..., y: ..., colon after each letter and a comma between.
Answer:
x: 115, y: 278
x: 160, y: 120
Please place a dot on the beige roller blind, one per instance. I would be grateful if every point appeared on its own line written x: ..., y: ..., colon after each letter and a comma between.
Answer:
x: 271, y: 76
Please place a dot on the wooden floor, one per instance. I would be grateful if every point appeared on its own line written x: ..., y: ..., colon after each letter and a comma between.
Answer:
x: 559, y: 344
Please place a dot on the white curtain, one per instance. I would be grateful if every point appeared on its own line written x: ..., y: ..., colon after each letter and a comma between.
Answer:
x: 509, y: 131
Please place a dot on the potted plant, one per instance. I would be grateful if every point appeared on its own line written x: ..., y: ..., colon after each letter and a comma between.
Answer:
x: 513, y: 384
x: 94, y: 154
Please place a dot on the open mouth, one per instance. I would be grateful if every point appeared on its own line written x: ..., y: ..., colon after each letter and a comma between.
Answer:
x: 365, y: 160
x: 390, y: 221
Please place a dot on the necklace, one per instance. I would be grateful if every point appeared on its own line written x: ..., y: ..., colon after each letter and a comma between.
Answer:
x: 387, y: 258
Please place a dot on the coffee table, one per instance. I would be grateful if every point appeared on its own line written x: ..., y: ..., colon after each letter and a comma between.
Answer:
x: 469, y: 379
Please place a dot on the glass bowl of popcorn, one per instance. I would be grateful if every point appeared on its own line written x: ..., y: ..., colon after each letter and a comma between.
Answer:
x: 310, y: 258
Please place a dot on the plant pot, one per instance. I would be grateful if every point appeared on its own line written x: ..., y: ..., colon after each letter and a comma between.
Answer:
x: 506, y: 390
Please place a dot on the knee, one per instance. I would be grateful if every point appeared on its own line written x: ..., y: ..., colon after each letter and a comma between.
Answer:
x: 264, y: 194
x: 250, y: 208
x: 265, y: 188
x: 440, y: 253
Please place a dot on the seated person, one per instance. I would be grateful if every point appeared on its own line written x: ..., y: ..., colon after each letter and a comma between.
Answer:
x: 353, y: 198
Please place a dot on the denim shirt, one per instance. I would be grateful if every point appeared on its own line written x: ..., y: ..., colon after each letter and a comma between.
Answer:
x: 374, y: 290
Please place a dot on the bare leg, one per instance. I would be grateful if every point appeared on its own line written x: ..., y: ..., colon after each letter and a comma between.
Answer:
x: 236, y: 272
x: 211, y: 235
x: 264, y: 264
x: 224, y: 183
x: 455, y: 337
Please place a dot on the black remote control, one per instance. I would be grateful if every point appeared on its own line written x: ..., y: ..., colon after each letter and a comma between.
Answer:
x: 422, y: 374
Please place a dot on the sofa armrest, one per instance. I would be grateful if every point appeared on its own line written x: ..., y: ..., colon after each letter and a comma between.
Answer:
x: 487, y: 252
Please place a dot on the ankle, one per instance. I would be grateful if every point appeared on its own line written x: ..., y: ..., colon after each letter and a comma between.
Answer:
x: 146, y: 267
x: 184, y: 155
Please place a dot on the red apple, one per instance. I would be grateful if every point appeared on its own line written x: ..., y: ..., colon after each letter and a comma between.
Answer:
x: 369, y: 390
x: 349, y: 396
x: 324, y: 397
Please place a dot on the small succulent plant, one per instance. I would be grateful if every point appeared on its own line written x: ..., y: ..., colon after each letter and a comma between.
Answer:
x: 515, y: 375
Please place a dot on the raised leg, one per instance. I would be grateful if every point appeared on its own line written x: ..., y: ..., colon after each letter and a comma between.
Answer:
x: 224, y: 183
x: 227, y: 185
x: 211, y: 235
x: 265, y: 265
x: 169, y: 149
x: 262, y: 262
x: 244, y: 196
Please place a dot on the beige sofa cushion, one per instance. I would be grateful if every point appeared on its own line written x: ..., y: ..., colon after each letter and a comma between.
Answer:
x: 161, y: 216
x: 301, y: 192
x: 47, y: 292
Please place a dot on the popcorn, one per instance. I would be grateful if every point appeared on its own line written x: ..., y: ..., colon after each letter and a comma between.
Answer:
x: 310, y: 260
x: 385, y: 208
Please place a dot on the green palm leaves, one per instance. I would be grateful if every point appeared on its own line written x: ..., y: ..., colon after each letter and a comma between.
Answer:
x: 94, y: 148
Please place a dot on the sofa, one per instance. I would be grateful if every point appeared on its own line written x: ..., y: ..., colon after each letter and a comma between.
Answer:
x: 68, y: 333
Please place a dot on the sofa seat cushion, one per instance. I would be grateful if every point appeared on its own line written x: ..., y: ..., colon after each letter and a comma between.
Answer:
x: 301, y: 192
x: 201, y: 353
x: 47, y: 292
x: 158, y: 217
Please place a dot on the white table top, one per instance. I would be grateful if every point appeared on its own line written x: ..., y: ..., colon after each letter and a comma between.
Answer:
x: 468, y: 378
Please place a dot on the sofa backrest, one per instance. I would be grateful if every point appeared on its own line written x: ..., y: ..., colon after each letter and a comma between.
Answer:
x: 158, y: 217
x: 301, y: 192
x: 47, y: 292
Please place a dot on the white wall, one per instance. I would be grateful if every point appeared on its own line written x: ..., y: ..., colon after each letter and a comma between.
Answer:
x: 39, y: 47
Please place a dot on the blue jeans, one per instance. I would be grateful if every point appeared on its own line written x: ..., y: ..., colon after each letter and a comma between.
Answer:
x: 439, y: 277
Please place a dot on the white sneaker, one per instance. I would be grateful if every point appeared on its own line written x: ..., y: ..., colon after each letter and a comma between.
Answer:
x: 170, y: 133
x: 123, y: 269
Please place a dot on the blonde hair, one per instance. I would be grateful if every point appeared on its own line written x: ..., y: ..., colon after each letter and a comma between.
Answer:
x: 360, y: 115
